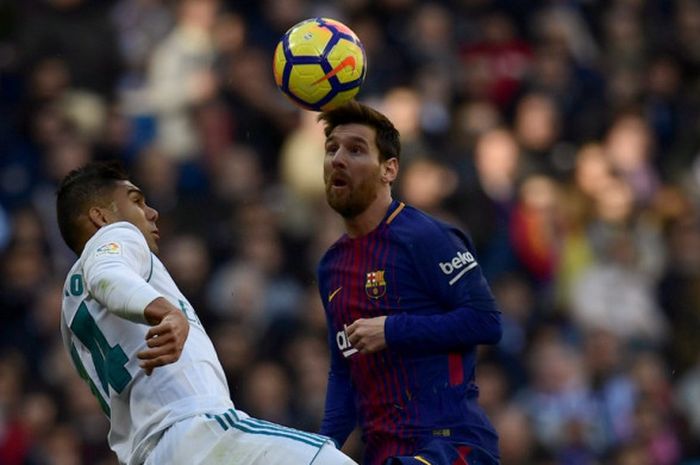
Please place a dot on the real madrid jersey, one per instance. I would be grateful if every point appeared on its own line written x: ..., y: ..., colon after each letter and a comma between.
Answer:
x: 117, y: 272
x: 422, y: 275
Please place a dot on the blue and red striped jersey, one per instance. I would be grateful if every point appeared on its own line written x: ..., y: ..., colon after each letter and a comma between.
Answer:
x: 423, y: 274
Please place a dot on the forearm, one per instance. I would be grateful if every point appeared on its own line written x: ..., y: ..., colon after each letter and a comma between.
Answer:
x: 339, y: 417
x: 122, y: 291
x: 157, y: 310
x: 458, y: 329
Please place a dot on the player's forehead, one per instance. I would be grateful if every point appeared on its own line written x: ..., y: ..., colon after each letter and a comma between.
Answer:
x: 352, y: 132
x: 126, y: 187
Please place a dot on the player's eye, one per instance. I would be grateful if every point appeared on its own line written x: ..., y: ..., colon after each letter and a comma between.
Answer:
x: 331, y: 149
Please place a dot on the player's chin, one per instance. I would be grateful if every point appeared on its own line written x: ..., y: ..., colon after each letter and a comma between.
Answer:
x: 336, y: 200
x: 153, y: 245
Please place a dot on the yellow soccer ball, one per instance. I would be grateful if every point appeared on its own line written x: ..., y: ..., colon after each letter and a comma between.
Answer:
x: 319, y: 64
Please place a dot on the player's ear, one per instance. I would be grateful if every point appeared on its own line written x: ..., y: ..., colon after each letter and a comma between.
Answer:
x: 98, y: 216
x: 390, y: 169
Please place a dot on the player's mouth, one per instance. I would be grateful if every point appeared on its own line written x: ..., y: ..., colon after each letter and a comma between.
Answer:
x: 339, y: 182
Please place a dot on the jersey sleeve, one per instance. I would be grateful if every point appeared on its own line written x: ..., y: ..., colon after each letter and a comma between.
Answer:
x: 339, y: 415
x: 117, y: 264
x: 465, y: 312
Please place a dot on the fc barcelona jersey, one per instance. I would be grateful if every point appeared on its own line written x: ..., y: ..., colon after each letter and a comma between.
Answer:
x: 424, y: 276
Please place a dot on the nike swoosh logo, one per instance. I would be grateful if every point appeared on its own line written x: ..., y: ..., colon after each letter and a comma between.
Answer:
x: 333, y: 294
x: 421, y: 459
x: 348, y: 61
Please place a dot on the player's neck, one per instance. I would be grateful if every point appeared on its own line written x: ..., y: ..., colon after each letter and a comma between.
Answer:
x: 368, y: 220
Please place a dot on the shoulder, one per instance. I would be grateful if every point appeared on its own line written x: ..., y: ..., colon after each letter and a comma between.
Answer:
x: 74, y: 270
x: 119, y: 229
x: 113, y: 239
x: 412, y: 225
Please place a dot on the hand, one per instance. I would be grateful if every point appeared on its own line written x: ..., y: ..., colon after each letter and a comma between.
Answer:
x: 367, y: 334
x: 166, y: 339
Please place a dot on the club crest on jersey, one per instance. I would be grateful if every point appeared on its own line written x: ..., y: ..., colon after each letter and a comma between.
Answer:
x: 111, y: 248
x: 375, y: 286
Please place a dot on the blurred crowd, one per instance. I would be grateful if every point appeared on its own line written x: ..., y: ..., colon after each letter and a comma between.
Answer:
x: 563, y: 135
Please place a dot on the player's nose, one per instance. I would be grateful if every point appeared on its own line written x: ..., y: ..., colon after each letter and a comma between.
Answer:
x: 339, y: 158
x: 152, y: 214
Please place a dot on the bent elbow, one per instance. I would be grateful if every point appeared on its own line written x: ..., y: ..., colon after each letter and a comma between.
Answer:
x: 494, y: 330
x: 496, y: 335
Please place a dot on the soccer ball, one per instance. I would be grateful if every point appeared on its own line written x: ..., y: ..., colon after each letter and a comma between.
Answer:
x: 319, y: 64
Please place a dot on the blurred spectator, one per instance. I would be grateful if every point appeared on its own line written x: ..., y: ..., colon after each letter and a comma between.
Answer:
x: 15, y: 446
x: 88, y: 423
x: 517, y: 443
x: 576, y: 88
x: 261, y: 116
x: 521, y: 312
x: 235, y: 293
x: 558, y: 400
x: 433, y: 54
x: 403, y: 106
x: 563, y: 135
x: 654, y: 430
x: 494, y: 66
x: 389, y: 61
x: 471, y: 120
x: 237, y: 177
x: 301, y: 170
x: 158, y: 175
x: 664, y: 105
x: 686, y: 395
x: 629, y: 259
x: 425, y: 184
x: 679, y: 290
x: 494, y: 388
x: 181, y: 75
x: 535, y: 228
x: 433, y: 40
x: 606, y: 357
x: 62, y: 446
x: 140, y: 26
x: 187, y: 258
x: 631, y: 453
x: 38, y: 417
x: 267, y: 393
x: 308, y: 359
x: 565, y: 28
x: 235, y: 345
x: 79, y: 32
x: 490, y: 199
x: 537, y: 131
x: 629, y: 147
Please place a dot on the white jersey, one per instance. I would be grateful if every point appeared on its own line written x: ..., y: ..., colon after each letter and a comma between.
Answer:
x: 113, y: 280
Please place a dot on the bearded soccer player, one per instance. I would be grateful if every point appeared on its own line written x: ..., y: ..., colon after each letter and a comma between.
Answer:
x: 406, y: 304
x: 137, y: 342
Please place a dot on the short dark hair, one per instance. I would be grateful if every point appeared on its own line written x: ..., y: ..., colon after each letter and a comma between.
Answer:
x: 78, y: 190
x: 354, y: 112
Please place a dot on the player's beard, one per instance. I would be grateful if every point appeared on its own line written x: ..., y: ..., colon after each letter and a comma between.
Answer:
x: 353, y: 200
